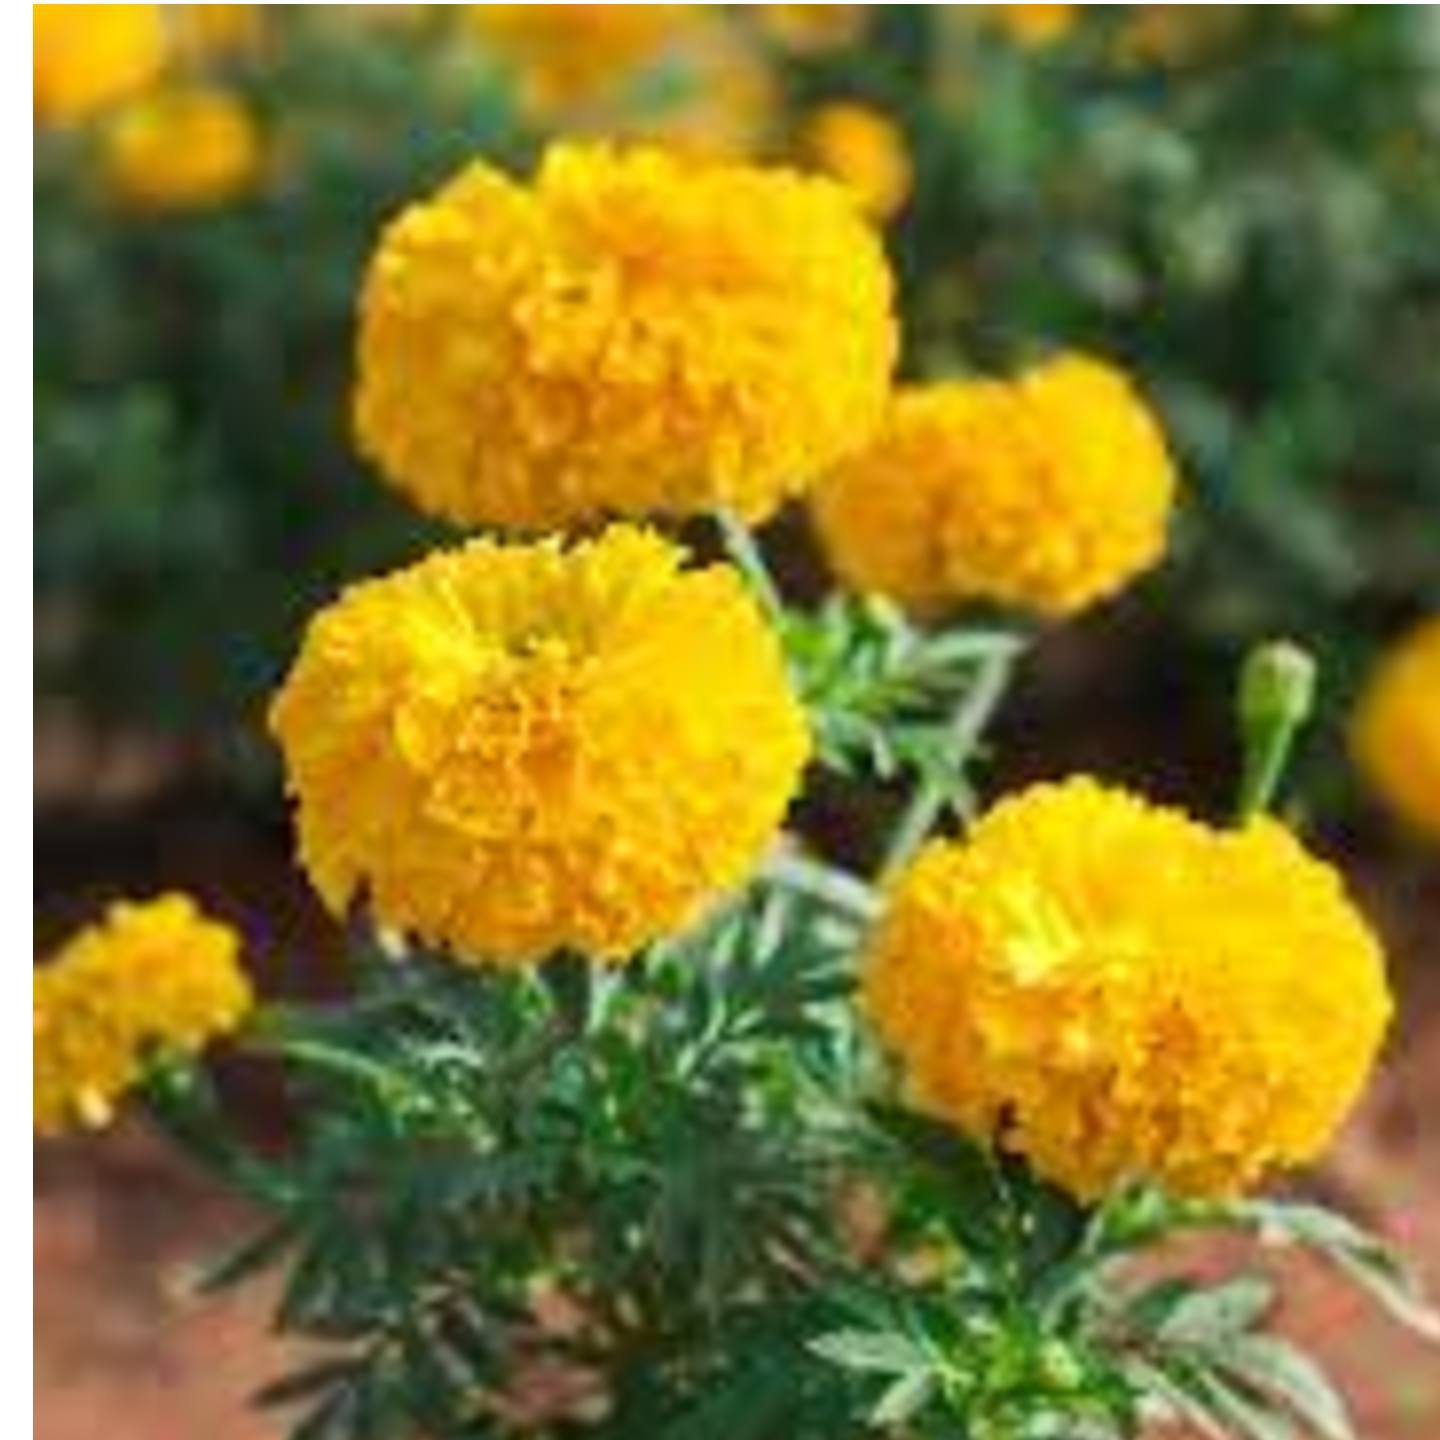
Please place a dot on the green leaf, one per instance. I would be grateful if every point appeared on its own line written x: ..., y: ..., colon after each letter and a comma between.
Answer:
x: 245, y: 1259
x: 1278, y: 1369
x: 1205, y: 1317
x: 868, y: 1350
x: 904, y: 1399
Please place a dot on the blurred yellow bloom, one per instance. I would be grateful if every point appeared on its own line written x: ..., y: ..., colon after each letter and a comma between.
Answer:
x: 1114, y: 990
x: 1395, y: 733
x: 203, y: 32
x: 863, y: 149
x: 1049, y: 492
x: 517, y: 750
x: 1032, y: 26
x: 89, y: 56
x: 570, y: 54
x: 181, y: 149
x: 635, y: 332
x: 812, y: 29
x: 152, y: 975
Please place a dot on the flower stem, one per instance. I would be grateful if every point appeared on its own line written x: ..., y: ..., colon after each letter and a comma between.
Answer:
x: 740, y: 545
x: 966, y: 725
x: 843, y: 893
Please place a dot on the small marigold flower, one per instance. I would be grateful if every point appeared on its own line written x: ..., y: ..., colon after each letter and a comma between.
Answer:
x: 1395, y: 733
x: 514, y: 750
x: 812, y: 29
x: 1032, y: 26
x: 1048, y: 493
x: 862, y: 149
x: 1114, y: 991
x: 569, y: 55
x: 90, y: 56
x: 634, y: 333
x: 216, y: 32
x: 152, y: 975
x: 181, y: 149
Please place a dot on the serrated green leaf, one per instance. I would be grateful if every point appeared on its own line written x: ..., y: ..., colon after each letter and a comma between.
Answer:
x: 1275, y: 1367
x: 903, y: 1400
x: 867, y: 1350
x: 1207, y: 1316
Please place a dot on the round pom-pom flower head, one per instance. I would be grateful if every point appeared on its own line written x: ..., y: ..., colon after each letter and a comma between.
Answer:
x: 515, y: 750
x: 635, y: 332
x: 1047, y: 493
x: 1395, y: 734
x: 90, y: 56
x: 1116, y: 991
x: 182, y: 148
x: 863, y: 149
x: 156, y: 975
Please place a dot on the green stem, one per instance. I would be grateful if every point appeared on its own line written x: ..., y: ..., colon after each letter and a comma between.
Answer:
x: 843, y: 893
x: 972, y: 713
x: 741, y: 547
x: 316, y: 1055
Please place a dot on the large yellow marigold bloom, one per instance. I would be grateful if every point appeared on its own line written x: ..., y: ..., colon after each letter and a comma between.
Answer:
x: 152, y: 975
x: 1395, y: 734
x: 571, y: 54
x: 1114, y: 990
x: 1048, y: 493
x: 181, y: 149
x: 515, y: 750
x: 635, y: 332
x: 90, y: 56
x: 863, y: 149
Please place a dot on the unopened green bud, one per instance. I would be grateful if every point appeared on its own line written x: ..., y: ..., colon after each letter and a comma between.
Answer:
x: 1277, y: 686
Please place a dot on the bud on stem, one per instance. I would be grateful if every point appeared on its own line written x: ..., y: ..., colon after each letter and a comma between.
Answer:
x: 1277, y: 693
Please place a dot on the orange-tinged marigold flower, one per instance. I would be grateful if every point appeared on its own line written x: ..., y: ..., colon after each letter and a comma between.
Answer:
x: 865, y: 150
x: 635, y: 332
x: 1032, y: 26
x: 812, y: 29
x: 516, y: 750
x: 154, y: 975
x: 87, y: 57
x: 181, y: 149
x: 569, y: 55
x: 1114, y: 990
x: 1047, y: 493
x: 1395, y: 733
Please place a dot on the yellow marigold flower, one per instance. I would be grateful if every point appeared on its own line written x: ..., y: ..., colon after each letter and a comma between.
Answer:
x: 1048, y: 493
x: 573, y: 54
x: 207, y: 32
x: 865, y: 151
x: 1114, y: 990
x: 1032, y: 26
x: 157, y: 974
x: 636, y: 332
x: 812, y: 29
x: 515, y: 750
x: 181, y: 149
x: 90, y: 56
x: 1395, y: 733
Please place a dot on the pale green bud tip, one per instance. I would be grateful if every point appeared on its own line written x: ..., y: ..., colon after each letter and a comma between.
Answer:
x: 1277, y: 686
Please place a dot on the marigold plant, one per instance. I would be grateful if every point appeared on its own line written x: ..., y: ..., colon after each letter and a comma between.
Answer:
x: 634, y: 333
x: 862, y: 148
x: 87, y: 57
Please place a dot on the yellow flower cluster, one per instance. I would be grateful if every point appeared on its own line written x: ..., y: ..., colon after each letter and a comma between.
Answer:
x: 1048, y: 493
x: 1114, y: 990
x: 635, y: 333
x: 181, y: 148
x: 90, y: 56
x: 1395, y: 734
x: 863, y: 149
x: 156, y: 974
x: 571, y: 54
x: 514, y: 750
